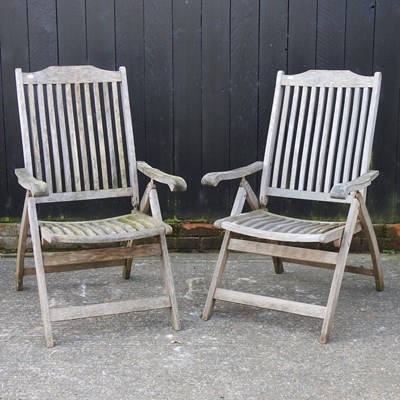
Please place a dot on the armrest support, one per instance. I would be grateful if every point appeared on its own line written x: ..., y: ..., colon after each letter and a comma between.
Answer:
x: 27, y: 181
x: 175, y: 183
x: 342, y: 190
x: 213, y: 178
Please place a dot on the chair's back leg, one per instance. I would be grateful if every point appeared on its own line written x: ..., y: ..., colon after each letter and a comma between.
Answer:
x: 372, y: 243
x: 278, y: 265
x: 126, y: 271
x: 23, y: 235
x: 40, y: 274
x: 217, y: 277
x: 339, y: 269
x: 169, y: 282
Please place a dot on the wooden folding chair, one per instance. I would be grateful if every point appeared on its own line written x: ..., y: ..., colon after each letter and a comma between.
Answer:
x: 318, y: 149
x: 78, y: 145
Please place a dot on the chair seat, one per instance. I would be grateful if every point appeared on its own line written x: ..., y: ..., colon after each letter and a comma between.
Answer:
x: 265, y: 225
x: 126, y: 227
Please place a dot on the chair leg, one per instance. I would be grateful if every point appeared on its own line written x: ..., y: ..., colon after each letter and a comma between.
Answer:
x: 278, y: 265
x: 23, y: 235
x: 372, y: 244
x: 40, y: 274
x: 217, y: 277
x: 339, y: 270
x: 126, y: 272
x: 169, y: 282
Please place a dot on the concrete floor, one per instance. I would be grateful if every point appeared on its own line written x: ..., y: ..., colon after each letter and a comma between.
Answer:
x: 240, y: 353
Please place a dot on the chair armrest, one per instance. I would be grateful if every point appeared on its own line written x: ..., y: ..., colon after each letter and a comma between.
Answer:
x: 28, y: 182
x: 175, y: 183
x: 213, y: 178
x: 342, y: 190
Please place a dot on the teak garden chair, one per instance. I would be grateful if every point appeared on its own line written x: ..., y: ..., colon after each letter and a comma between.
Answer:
x: 78, y: 145
x: 318, y: 149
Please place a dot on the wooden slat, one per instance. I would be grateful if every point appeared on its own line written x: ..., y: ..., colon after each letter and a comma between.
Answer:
x: 351, y: 136
x: 343, y: 136
x: 48, y: 175
x: 282, y: 251
x: 82, y: 137
x: 360, y: 133
x: 118, y: 133
x: 34, y: 133
x: 100, y: 136
x: 54, y: 259
x: 91, y: 194
x: 92, y: 142
x: 294, y: 307
x: 63, y: 138
x: 304, y: 167
x: 72, y: 136
x: 54, y: 138
x: 298, y: 141
x: 287, y: 158
x: 102, y: 309
x: 316, y: 139
x: 324, y: 140
x: 281, y: 134
x: 332, y: 151
x: 110, y: 136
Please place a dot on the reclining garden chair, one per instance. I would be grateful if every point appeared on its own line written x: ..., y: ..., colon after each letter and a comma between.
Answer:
x: 318, y: 149
x: 78, y: 145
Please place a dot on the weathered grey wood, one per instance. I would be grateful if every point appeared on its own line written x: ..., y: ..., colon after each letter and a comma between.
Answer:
x: 217, y: 277
x: 47, y: 173
x: 102, y: 309
x: 23, y: 235
x: 27, y: 181
x: 80, y: 122
x: 213, y: 178
x: 72, y: 135
x: 82, y: 138
x: 372, y: 243
x: 120, y: 145
x: 40, y: 274
x: 175, y: 183
x: 309, y: 310
x: 54, y: 138
x: 53, y: 259
x: 342, y: 190
x: 318, y: 149
x: 339, y: 270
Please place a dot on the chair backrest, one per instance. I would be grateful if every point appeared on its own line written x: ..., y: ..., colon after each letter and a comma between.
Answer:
x: 77, y: 130
x: 321, y: 131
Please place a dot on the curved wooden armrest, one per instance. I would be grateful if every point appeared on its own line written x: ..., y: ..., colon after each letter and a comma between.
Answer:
x: 28, y: 182
x: 342, y: 190
x: 213, y: 178
x: 175, y: 183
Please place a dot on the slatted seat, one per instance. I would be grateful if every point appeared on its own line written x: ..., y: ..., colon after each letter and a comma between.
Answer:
x: 318, y: 149
x: 78, y: 145
x: 265, y: 225
x: 125, y: 227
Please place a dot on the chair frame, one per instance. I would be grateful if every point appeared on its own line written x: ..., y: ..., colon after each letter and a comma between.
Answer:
x: 279, y: 246
x: 38, y: 191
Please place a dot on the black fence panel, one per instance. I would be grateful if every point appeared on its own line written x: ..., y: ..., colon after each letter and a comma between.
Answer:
x: 201, y: 77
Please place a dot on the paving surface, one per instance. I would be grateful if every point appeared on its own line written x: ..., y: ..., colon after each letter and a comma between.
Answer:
x: 240, y: 353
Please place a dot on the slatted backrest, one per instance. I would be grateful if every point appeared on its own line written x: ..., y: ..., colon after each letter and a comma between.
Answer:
x: 77, y: 130
x: 321, y: 132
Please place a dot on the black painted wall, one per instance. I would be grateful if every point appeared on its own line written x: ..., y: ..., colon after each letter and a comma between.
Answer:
x: 201, y: 75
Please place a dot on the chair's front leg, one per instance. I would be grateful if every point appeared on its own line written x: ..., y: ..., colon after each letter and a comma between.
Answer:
x: 40, y: 274
x: 23, y: 235
x: 217, y: 276
x: 339, y: 269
